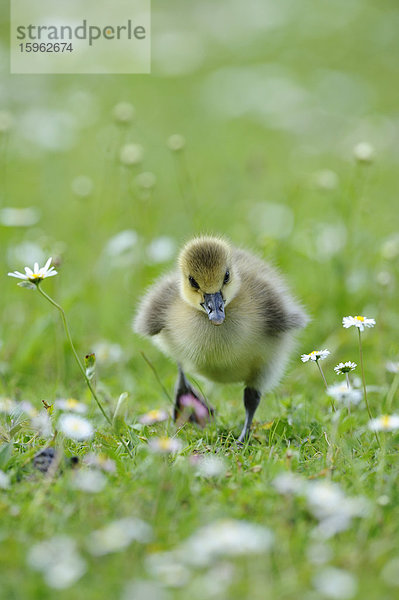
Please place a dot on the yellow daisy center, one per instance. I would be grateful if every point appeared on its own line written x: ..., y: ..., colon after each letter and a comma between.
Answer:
x: 164, y: 443
x: 385, y: 420
x: 359, y: 318
x: 72, y: 403
x: 153, y: 414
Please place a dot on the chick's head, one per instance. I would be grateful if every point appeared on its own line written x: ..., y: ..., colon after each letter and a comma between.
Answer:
x: 209, y: 280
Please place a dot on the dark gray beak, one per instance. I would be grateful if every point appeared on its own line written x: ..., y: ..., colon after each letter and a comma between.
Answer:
x: 214, y: 306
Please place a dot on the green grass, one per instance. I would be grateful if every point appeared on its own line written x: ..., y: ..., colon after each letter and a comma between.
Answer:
x: 335, y: 246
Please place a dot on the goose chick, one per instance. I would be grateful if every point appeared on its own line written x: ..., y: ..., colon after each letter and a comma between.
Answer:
x: 224, y: 314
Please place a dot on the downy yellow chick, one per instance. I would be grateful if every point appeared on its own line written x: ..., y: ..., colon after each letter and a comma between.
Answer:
x: 224, y: 314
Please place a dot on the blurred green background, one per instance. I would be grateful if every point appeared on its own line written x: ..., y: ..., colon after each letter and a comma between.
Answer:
x: 269, y: 102
x: 271, y: 99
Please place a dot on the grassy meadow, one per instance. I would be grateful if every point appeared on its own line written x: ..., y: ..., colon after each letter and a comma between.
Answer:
x: 275, y: 125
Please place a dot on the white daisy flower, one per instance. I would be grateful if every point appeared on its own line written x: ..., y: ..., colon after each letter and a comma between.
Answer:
x: 342, y: 393
x: 71, y: 404
x: 154, y: 416
x: 7, y: 405
x: 358, y: 321
x: 335, y: 584
x: 37, y: 274
x: 289, y: 483
x: 343, y: 368
x: 165, y: 445
x: 100, y: 461
x: 225, y: 538
x: 58, y: 560
x: 131, y: 154
x: 4, y: 481
x: 118, y: 535
x: 76, y: 428
x: 364, y: 152
x: 92, y: 481
x: 315, y: 355
x: 211, y: 466
x: 392, y: 367
x: 176, y: 142
x: 123, y: 112
x: 384, y: 423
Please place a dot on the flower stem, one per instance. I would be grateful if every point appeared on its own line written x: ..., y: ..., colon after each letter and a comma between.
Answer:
x: 347, y: 381
x: 81, y: 367
x: 322, y: 374
x: 364, y: 384
x: 325, y: 383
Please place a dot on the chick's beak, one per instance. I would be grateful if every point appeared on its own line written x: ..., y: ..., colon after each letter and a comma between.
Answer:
x: 214, y: 306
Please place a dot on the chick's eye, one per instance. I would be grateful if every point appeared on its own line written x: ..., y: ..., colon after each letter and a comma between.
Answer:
x: 226, y: 277
x: 193, y: 283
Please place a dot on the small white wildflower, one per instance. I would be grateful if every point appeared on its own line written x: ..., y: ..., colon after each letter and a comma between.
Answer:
x: 121, y: 243
x: 123, y: 112
x: 25, y: 252
x: 71, y: 404
x: 7, y: 405
x: 161, y: 249
x: 118, y: 535
x: 58, y: 560
x: 383, y: 500
x: 146, y: 180
x: 358, y: 321
x: 384, y: 278
x: 165, y: 445
x: 4, y: 481
x: 343, y: 368
x: 176, y: 142
x: 225, y: 538
x: 108, y: 353
x: 392, y: 367
x: 41, y: 423
x: 342, y: 393
x: 154, y: 416
x: 335, y: 584
x: 334, y: 511
x: 150, y: 590
x: 131, y: 154
x: 75, y: 427
x: 384, y: 423
x: 166, y: 567
x: 100, y: 461
x: 390, y: 572
x: 364, y: 152
x: 390, y: 247
x: 289, y: 483
x: 82, y: 186
x: 36, y: 275
x: 19, y: 217
x: 315, y: 355
x: 326, y: 179
x: 89, y: 480
x: 211, y: 466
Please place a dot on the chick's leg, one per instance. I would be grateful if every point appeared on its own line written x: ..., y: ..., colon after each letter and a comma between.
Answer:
x: 251, y: 403
x: 189, y: 404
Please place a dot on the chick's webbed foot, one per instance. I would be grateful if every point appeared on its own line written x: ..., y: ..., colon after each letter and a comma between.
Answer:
x: 189, y: 404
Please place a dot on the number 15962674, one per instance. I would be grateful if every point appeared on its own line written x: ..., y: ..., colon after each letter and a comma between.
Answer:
x: 46, y: 47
